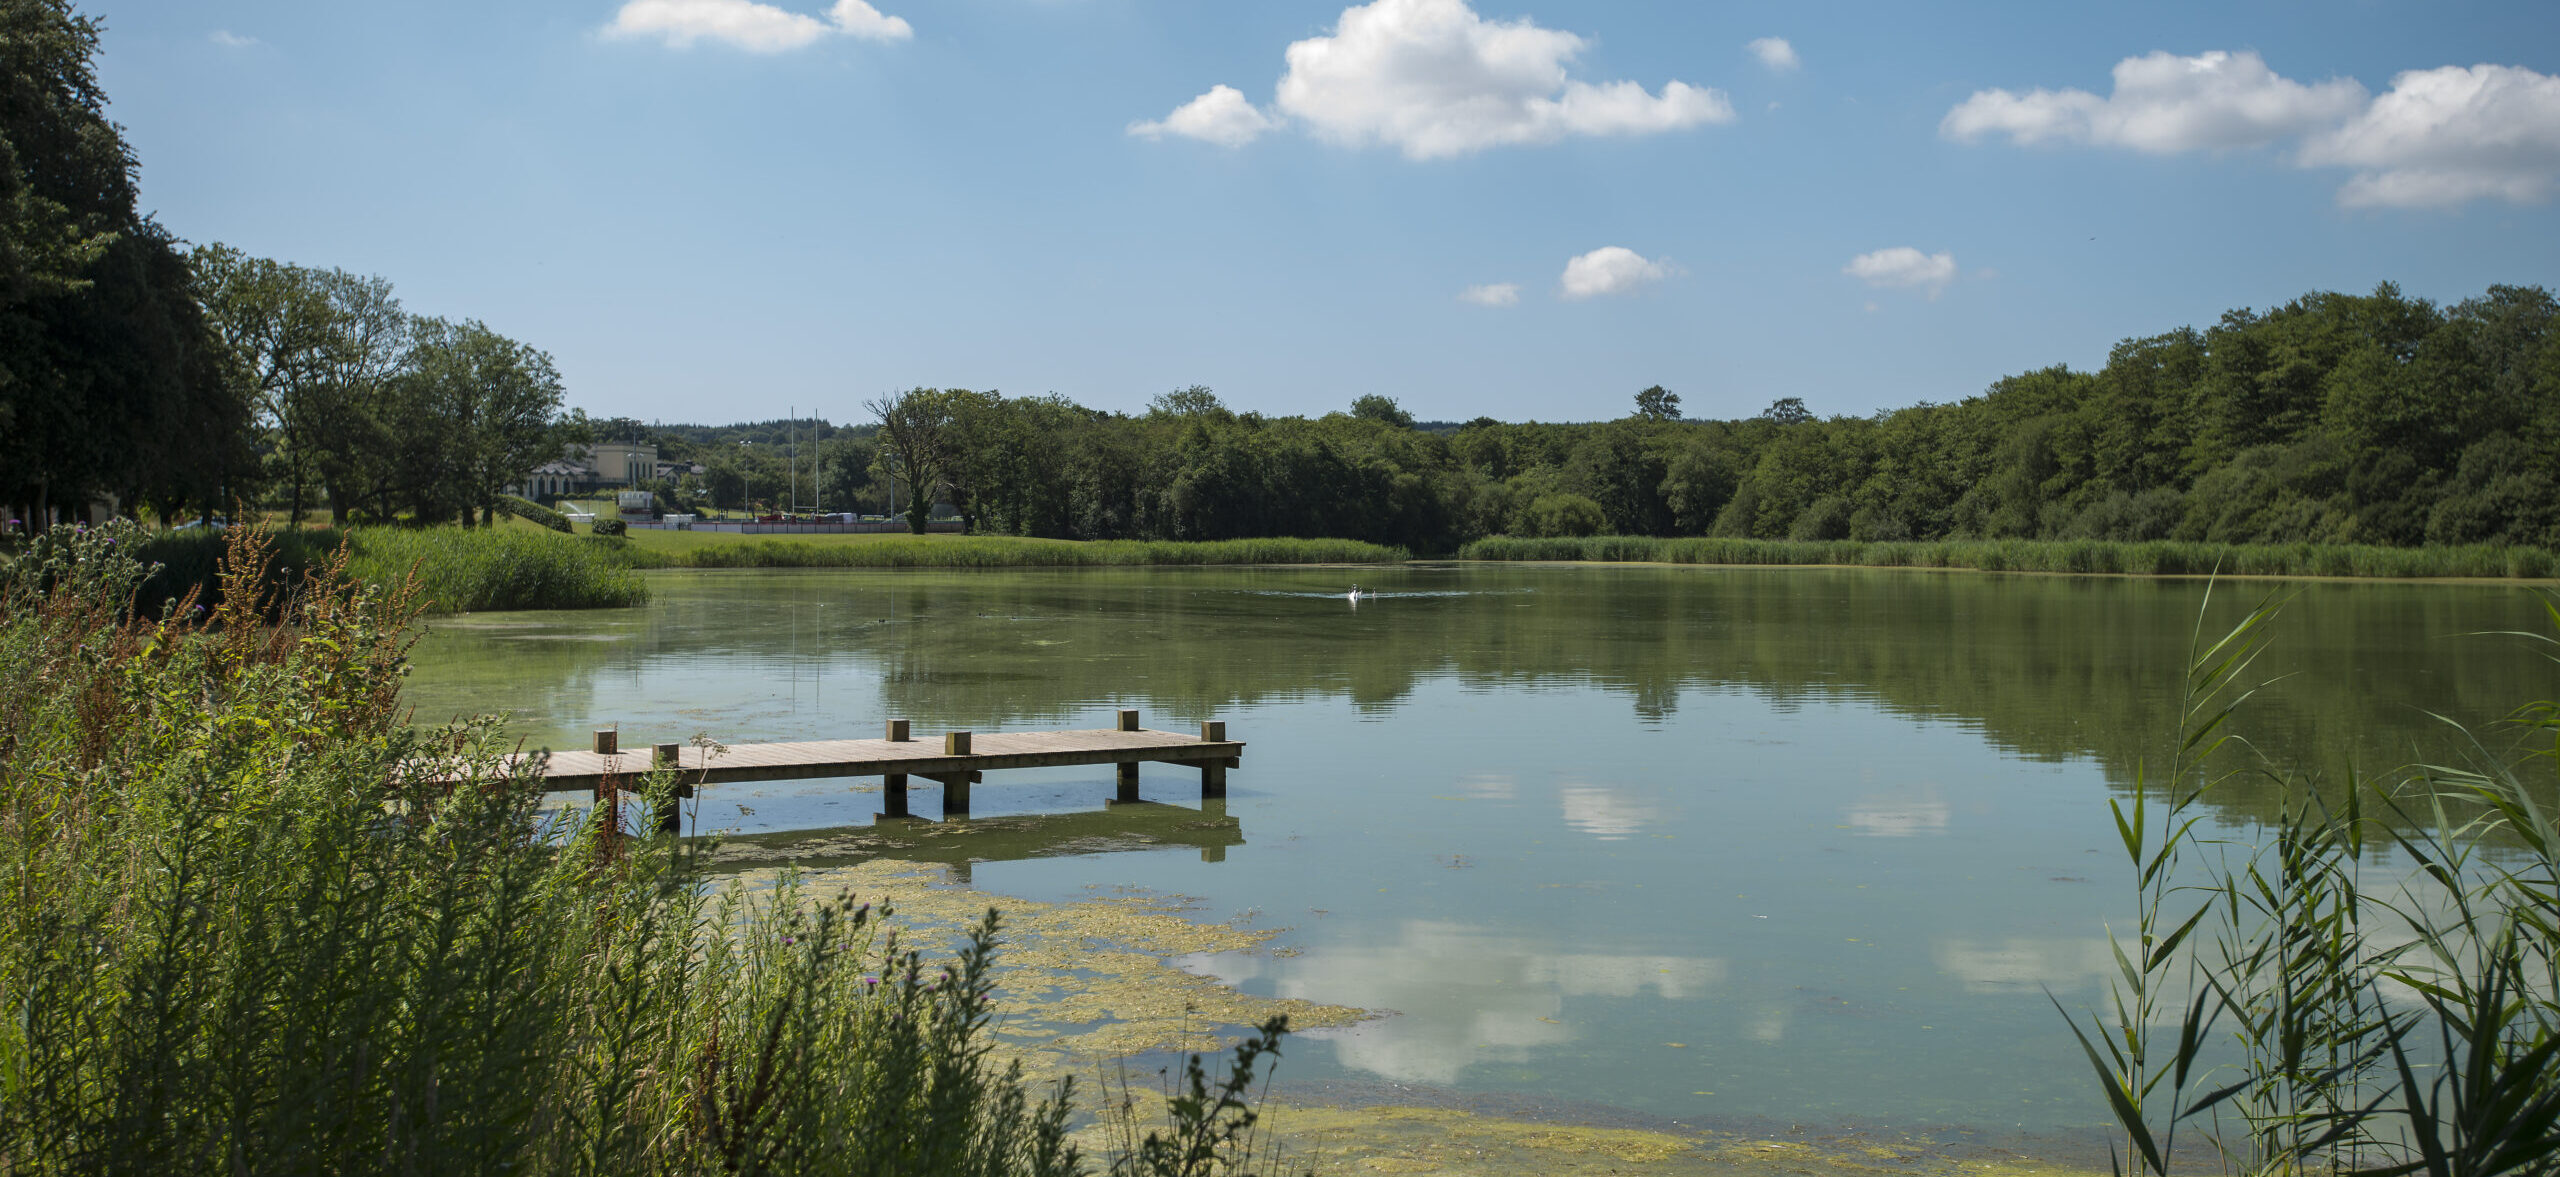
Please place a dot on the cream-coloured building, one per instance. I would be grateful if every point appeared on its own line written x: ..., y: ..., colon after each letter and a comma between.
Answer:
x: 586, y: 469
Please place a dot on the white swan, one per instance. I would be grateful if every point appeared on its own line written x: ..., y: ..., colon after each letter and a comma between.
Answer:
x: 1354, y: 594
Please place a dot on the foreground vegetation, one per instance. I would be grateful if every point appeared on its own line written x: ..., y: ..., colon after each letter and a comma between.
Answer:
x: 2149, y: 558
x: 2302, y: 1014
x: 246, y: 932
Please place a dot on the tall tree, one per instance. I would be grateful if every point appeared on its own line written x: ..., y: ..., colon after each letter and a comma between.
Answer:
x: 500, y: 398
x: 366, y: 345
x: 912, y: 425
x: 102, y: 351
x: 274, y: 323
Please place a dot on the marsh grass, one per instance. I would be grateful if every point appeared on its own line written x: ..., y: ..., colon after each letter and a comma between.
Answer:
x: 2149, y: 558
x: 458, y: 569
x: 2331, y: 1023
x: 686, y: 549
x: 250, y: 922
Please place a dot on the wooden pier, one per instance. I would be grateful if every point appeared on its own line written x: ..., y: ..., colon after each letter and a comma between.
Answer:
x: 962, y: 759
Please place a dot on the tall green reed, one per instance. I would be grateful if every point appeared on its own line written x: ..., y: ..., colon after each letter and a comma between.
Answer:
x: 2411, y: 1026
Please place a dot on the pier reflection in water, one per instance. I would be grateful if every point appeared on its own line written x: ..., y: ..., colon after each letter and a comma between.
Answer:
x: 1119, y: 827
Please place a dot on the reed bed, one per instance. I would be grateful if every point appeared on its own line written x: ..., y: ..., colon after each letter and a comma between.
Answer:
x: 2149, y: 558
x: 656, y: 550
x: 247, y: 933
x: 2303, y: 1011
x: 459, y: 570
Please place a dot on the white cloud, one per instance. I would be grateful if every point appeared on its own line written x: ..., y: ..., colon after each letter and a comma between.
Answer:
x: 1433, y: 79
x: 230, y: 40
x: 1775, y: 53
x: 1221, y: 116
x: 1612, y: 269
x: 748, y: 25
x: 2448, y: 136
x: 2163, y: 104
x: 1905, y: 267
x: 859, y: 19
x: 1492, y: 294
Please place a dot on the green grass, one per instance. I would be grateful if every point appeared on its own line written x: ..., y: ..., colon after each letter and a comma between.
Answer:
x: 712, y: 549
x: 517, y: 565
x: 2152, y: 558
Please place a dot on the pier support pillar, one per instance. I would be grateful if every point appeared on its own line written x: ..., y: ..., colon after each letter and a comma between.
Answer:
x: 1213, y: 779
x: 893, y: 795
x: 955, y: 794
x: 1128, y: 783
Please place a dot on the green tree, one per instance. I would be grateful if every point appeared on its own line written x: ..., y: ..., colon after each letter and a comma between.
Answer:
x: 1195, y: 401
x: 476, y: 410
x: 274, y: 323
x: 1382, y: 409
x: 1659, y: 404
x: 107, y: 383
x: 1787, y: 410
x: 912, y: 445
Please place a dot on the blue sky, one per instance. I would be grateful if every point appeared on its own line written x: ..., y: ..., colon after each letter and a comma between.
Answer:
x: 715, y: 209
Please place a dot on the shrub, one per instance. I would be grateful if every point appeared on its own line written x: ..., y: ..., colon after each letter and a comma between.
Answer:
x: 533, y: 512
x: 609, y: 527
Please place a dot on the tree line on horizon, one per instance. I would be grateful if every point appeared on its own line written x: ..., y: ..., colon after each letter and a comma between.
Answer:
x: 2367, y: 419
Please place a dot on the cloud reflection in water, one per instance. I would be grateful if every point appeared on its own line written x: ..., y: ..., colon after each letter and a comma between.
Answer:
x: 1463, y: 995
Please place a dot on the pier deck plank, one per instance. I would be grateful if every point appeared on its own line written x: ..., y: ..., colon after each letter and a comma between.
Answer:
x: 919, y: 757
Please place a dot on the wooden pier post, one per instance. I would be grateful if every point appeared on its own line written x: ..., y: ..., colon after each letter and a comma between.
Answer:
x: 898, y: 732
x: 1128, y: 781
x: 955, y: 743
x: 608, y: 741
x: 955, y: 794
x: 669, y: 756
x: 1128, y: 719
x: 893, y: 794
x: 1213, y: 773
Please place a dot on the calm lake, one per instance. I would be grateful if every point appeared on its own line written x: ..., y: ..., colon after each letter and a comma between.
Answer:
x: 1719, y: 845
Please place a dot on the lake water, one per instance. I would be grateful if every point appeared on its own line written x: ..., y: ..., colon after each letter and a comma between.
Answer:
x: 1716, y: 845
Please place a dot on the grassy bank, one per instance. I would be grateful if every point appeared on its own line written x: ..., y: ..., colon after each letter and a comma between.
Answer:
x: 460, y: 570
x: 711, y: 549
x: 2152, y: 558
